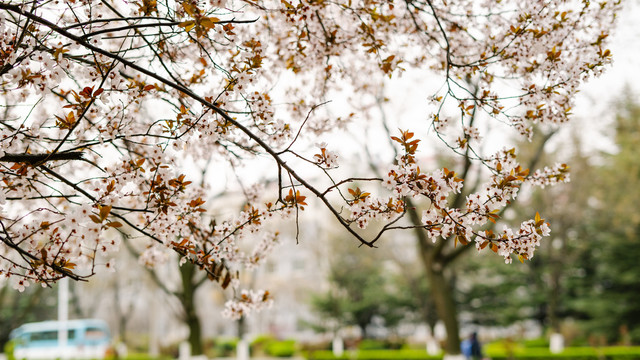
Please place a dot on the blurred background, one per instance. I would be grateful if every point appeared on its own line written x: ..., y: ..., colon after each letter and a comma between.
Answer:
x: 579, y: 297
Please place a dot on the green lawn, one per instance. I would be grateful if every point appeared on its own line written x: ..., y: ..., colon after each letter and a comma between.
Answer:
x: 495, y: 353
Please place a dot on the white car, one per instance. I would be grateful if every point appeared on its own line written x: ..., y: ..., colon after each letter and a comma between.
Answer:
x: 86, y: 339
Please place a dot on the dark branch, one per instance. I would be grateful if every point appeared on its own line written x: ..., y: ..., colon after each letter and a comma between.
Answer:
x: 41, y: 158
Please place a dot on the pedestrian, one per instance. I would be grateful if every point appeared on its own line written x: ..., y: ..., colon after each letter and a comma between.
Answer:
x: 471, y: 348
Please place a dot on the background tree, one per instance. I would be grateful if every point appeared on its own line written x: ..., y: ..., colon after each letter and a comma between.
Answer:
x: 584, y: 272
x: 439, y: 252
x: 543, y: 288
x: 564, y: 258
x: 190, y: 281
x: 34, y: 304
x: 493, y: 295
x: 413, y: 295
x: 613, y: 227
x: 361, y: 291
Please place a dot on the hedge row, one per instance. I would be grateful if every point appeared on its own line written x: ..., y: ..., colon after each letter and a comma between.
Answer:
x: 575, y: 353
x: 408, y: 354
x: 142, y: 356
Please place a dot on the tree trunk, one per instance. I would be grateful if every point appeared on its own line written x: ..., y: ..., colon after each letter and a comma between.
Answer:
x: 446, y: 308
x: 187, y: 299
x: 363, y: 330
x: 195, y: 335
x: 442, y: 296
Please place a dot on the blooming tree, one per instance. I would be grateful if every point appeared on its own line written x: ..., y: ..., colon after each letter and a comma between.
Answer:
x: 107, y: 103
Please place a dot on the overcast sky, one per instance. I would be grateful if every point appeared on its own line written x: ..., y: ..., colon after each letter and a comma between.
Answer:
x: 594, y: 108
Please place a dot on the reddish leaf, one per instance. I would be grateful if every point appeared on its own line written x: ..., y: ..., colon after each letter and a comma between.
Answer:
x: 115, y: 224
x: 104, y: 211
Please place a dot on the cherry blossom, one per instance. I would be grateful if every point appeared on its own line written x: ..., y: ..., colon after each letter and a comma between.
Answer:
x: 108, y: 107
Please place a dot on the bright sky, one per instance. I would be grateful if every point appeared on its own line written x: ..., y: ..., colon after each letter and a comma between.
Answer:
x: 594, y: 110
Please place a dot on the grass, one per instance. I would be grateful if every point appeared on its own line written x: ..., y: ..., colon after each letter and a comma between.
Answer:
x: 493, y: 352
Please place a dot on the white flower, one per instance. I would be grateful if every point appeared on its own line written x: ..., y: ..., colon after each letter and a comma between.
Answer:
x: 110, y: 265
x: 388, y: 181
x: 20, y: 283
x: 545, y: 229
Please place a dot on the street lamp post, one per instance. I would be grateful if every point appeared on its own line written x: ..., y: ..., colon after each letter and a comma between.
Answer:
x: 63, y: 316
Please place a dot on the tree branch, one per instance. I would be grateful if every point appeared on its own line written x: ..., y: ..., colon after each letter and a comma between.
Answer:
x: 38, y: 159
x: 202, y: 101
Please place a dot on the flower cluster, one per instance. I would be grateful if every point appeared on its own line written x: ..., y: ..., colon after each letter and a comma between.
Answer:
x: 248, y: 302
x: 262, y: 250
x: 522, y: 244
x: 326, y: 159
x: 463, y: 224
